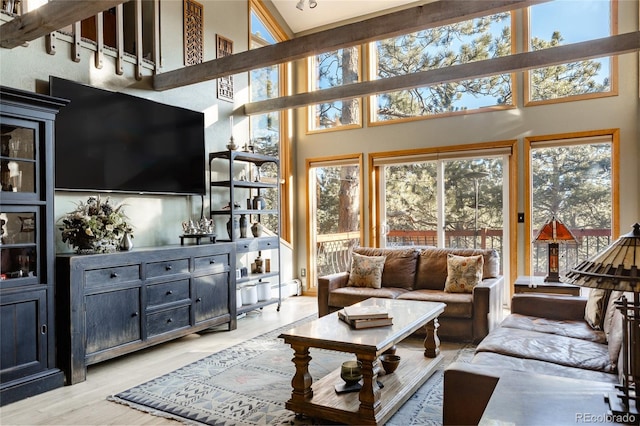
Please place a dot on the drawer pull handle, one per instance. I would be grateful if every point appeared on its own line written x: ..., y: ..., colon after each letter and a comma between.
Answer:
x: 211, y: 262
x: 135, y: 314
x: 246, y: 246
x: 114, y: 275
x: 169, y: 292
x: 169, y: 320
x: 43, y: 329
x: 199, y: 299
x: 169, y: 267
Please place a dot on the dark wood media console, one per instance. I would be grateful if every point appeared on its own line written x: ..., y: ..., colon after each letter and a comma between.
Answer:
x: 113, y: 304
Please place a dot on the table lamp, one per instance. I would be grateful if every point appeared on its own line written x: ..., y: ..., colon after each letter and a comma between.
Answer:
x: 616, y: 268
x: 552, y: 232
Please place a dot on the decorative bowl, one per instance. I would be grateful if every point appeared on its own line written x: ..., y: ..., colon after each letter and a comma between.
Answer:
x: 390, y: 362
x: 351, y: 372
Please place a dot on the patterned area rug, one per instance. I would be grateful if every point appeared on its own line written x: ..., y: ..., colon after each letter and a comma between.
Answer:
x: 248, y: 384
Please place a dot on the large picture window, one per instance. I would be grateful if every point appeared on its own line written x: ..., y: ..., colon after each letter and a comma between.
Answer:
x: 468, y: 41
x: 563, y: 22
x: 573, y: 178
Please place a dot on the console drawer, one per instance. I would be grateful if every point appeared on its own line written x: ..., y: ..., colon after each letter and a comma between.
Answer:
x: 169, y: 320
x: 213, y: 263
x: 169, y: 267
x: 115, y: 275
x: 159, y: 294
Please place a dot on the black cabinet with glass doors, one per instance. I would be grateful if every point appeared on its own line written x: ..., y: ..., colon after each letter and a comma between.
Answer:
x: 27, y: 332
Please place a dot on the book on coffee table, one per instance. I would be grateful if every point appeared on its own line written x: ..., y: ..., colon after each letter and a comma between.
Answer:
x: 365, y: 312
x: 366, y: 322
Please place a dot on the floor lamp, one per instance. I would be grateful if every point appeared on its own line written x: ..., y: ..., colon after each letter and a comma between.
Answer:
x: 616, y: 268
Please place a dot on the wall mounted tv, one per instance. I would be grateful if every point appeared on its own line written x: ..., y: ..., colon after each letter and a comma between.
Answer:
x: 109, y: 141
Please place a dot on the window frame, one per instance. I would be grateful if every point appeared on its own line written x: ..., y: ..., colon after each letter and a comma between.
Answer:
x: 565, y: 139
x: 526, y: 36
x: 311, y: 109
x: 372, y: 100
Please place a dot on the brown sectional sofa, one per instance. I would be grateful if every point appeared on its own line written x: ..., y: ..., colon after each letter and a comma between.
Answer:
x: 420, y: 274
x: 544, y: 334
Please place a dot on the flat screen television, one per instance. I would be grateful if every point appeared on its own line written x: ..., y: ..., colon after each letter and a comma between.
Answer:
x: 109, y: 141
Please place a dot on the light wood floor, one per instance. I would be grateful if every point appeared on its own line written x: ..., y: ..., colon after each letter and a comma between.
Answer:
x: 86, y: 404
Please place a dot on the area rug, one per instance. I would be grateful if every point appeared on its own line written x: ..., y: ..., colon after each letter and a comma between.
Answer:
x: 248, y: 384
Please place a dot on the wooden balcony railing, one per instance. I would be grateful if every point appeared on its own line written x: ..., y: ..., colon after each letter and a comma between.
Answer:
x: 334, y: 250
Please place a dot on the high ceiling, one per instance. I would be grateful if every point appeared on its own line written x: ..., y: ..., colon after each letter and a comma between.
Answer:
x: 329, y: 12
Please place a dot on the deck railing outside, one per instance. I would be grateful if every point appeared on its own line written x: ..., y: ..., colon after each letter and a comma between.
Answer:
x: 334, y: 250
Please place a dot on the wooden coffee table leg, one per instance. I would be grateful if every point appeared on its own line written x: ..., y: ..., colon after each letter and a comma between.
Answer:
x: 370, y: 392
x: 302, y: 380
x: 431, y: 341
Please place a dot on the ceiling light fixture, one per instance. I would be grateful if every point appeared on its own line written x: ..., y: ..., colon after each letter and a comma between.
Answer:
x: 312, y: 4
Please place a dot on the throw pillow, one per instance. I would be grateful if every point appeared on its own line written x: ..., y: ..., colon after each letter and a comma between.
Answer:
x: 463, y: 273
x: 594, y: 311
x: 366, y: 271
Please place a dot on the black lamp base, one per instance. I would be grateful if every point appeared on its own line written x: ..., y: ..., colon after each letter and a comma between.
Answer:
x: 623, y: 413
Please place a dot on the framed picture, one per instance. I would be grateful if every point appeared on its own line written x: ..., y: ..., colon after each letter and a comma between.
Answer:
x: 224, y: 47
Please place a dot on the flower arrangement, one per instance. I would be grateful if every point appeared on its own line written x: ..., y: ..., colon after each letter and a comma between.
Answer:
x: 95, y: 226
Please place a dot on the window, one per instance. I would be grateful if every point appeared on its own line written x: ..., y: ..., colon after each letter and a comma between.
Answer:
x: 445, y: 199
x: 333, y: 69
x: 562, y: 22
x: 335, y: 213
x: 266, y: 130
x: 572, y: 177
x: 463, y: 42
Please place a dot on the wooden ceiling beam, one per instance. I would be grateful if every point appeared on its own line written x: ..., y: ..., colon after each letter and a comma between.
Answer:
x: 614, y: 45
x: 48, y: 18
x: 406, y: 21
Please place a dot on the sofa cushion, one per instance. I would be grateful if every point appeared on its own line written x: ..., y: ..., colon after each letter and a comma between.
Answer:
x: 504, y: 362
x: 463, y: 273
x: 399, y: 267
x: 346, y: 296
x: 569, y: 328
x: 459, y: 305
x: 612, y: 326
x: 432, y: 265
x: 552, y: 348
x: 596, y: 305
x: 366, y: 271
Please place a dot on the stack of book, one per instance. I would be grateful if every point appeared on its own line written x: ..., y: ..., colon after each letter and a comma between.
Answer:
x: 365, y: 316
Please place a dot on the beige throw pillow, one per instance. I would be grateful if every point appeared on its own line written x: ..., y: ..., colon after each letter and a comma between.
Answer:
x: 594, y: 311
x: 366, y: 271
x: 463, y: 273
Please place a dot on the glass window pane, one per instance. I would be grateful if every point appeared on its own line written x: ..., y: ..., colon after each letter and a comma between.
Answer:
x: 332, y: 69
x: 336, y: 216
x: 473, y: 203
x: 564, y: 22
x: 572, y: 182
x: 411, y: 208
x: 464, y: 42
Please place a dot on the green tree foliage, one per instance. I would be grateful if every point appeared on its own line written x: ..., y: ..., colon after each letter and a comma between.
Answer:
x: 560, y: 81
x: 441, y: 47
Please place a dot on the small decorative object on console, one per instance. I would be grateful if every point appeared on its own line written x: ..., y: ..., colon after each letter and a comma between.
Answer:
x: 95, y: 226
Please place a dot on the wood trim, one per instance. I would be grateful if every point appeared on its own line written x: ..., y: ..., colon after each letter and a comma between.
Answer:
x: 77, y: 37
x: 320, y: 162
x: 48, y: 18
x: 614, y: 66
x: 99, y: 55
x: 120, y: 39
x: 614, y: 45
x: 615, y: 181
x: 402, y: 22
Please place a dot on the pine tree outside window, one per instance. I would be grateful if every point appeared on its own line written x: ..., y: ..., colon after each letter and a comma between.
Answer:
x: 468, y: 41
x: 559, y: 23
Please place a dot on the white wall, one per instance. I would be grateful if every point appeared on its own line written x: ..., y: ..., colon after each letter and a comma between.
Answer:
x: 620, y: 111
x: 156, y: 219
